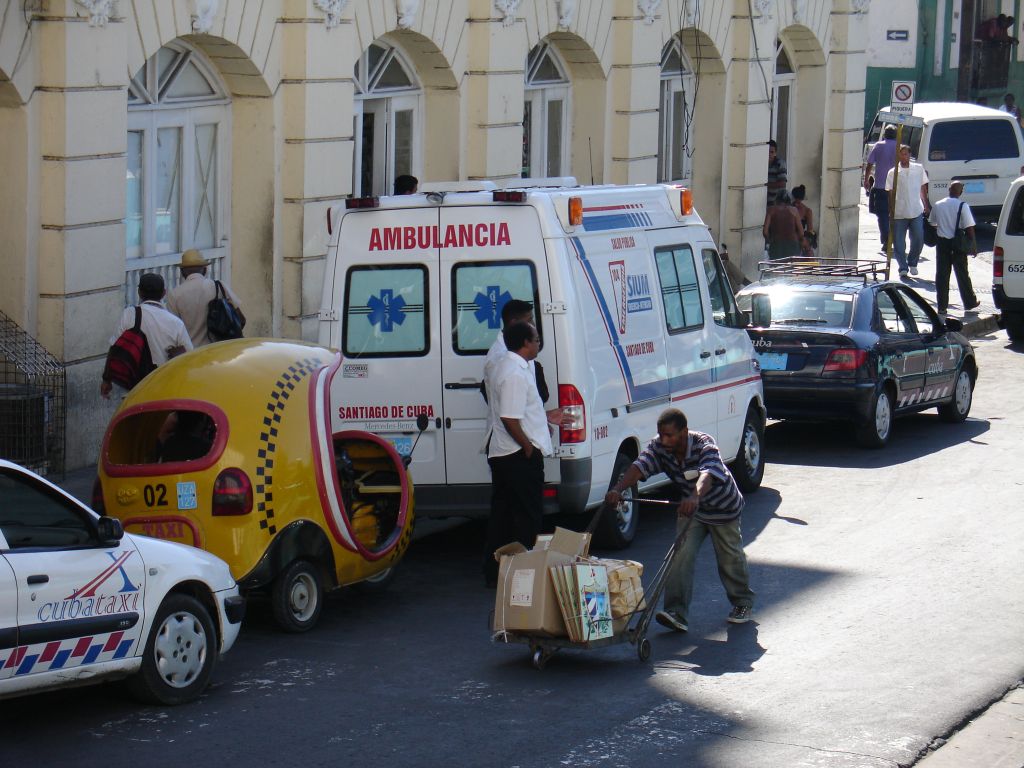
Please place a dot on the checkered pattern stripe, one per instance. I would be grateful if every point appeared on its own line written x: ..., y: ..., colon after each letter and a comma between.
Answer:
x: 279, y: 395
x: 65, y: 654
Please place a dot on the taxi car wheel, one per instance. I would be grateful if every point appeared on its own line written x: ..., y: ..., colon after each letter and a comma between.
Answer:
x: 959, y: 405
x: 180, y: 654
x: 876, y: 430
x: 748, y: 468
x: 297, y: 597
x: 618, y: 524
x: 378, y: 582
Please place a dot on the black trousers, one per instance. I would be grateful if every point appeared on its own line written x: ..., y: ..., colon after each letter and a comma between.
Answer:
x: 945, y: 259
x: 517, y: 494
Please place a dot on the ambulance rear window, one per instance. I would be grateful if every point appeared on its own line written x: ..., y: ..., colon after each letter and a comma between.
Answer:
x: 479, y: 291
x: 386, y: 312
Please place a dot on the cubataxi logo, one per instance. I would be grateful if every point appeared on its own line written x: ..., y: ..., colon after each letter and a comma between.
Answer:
x: 90, y: 600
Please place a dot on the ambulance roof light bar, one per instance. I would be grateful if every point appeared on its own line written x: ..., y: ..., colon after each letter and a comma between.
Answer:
x: 509, y: 196
x: 362, y: 202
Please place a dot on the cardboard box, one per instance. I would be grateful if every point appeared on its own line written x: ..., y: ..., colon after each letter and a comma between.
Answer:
x: 525, y: 600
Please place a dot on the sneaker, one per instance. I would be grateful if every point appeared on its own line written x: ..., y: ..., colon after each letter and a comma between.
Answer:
x: 669, y: 620
x: 740, y: 614
x: 913, y: 270
x: 903, y: 273
x: 975, y: 305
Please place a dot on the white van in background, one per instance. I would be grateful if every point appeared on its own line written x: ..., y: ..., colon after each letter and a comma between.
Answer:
x: 631, y: 301
x: 981, y: 147
x: 1008, y: 263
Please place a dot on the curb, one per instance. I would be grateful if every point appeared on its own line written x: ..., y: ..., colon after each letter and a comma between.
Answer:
x: 981, y: 326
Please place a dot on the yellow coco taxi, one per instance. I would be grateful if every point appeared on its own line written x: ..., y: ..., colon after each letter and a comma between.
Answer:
x: 230, y: 448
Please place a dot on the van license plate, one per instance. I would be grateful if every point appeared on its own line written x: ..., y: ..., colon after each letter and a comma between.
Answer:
x: 974, y: 187
x: 772, y: 361
x: 402, y: 445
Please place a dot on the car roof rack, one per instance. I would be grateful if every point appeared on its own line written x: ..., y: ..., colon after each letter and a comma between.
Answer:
x: 801, y: 266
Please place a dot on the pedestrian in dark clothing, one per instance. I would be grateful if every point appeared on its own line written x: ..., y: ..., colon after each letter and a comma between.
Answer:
x: 949, y: 215
x: 881, y: 159
x: 778, y: 176
x: 782, y: 230
x: 806, y: 219
x: 711, y: 497
x: 518, y: 442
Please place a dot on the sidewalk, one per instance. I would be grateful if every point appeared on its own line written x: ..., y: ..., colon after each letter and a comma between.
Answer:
x: 977, y: 322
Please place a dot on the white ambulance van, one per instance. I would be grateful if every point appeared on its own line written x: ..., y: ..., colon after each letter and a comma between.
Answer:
x: 631, y: 301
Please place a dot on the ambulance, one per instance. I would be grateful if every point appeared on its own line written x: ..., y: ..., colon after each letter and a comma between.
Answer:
x: 631, y: 301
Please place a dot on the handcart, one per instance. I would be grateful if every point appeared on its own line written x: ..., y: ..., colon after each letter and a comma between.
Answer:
x: 543, y: 648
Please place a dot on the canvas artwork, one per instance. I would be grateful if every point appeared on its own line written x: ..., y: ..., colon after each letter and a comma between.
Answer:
x: 582, y: 591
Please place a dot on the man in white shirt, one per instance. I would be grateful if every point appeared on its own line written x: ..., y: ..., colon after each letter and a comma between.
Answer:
x: 190, y: 300
x: 910, y: 203
x: 518, y: 443
x: 165, y: 333
x: 948, y: 215
x: 514, y: 311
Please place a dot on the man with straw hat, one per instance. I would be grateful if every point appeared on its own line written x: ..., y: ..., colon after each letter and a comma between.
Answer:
x: 191, y: 299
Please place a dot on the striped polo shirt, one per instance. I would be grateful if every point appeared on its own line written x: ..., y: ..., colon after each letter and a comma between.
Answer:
x: 723, y: 503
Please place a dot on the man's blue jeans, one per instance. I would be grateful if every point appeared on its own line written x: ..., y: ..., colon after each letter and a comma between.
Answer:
x: 899, y: 241
x: 732, y: 566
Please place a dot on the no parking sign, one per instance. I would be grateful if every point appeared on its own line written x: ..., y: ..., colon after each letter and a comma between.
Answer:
x: 902, y: 101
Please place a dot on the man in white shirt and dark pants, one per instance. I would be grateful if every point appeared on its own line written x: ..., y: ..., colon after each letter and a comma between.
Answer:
x: 948, y: 215
x: 910, y: 203
x: 519, y: 440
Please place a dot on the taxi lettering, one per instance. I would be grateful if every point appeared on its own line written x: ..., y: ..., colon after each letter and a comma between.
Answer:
x: 432, y: 236
x: 171, y: 529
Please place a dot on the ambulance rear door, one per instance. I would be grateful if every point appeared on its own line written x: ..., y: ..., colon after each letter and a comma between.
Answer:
x: 387, y: 287
x: 489, y: 255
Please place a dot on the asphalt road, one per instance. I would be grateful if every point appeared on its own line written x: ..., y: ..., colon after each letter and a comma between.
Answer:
x: 890, y: 608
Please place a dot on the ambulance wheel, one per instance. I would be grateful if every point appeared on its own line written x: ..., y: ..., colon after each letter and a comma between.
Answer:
x: 297, y: 597
x: 617, y: 526
x: 180, y: 654
x: 643, y: 649
x: 540, y: 659
x: 748, y: 468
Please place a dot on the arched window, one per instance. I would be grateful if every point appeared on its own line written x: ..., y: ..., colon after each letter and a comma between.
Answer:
x: 782, y: 100
x: 387, y: 108
x: 675, y: 114
x: 179, y: 171
x: 546, y: 115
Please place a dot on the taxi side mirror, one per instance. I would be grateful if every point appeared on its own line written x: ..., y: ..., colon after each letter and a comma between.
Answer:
x: 954, y: 324
x: 109, y: 530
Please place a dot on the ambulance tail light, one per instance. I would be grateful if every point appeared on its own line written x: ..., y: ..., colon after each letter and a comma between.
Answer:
x: 573, y: 428
x: 575, y: 211
x: 97, y: 498
x: 232, y: 493
x: 509, y: 196
x: 686, y: 201
x: 362, y: 202
x: 997, y: 262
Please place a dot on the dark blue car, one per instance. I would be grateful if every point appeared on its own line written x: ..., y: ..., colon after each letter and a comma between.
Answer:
x: 836, y: 341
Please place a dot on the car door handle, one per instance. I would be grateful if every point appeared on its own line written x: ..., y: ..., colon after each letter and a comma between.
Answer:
x: 462, y: 385
x: 38, y: 578
x: 720, y: 351
x: 705, y: 355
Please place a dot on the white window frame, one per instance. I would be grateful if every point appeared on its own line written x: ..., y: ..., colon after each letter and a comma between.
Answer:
x: 148, y: 118
x: 384, y: 103
x: 783, y: 81
x: 539, y: 96
x: 673, y: 138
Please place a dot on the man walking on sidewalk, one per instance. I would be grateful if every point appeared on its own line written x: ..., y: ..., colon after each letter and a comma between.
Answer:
x: 880, y: 161
x: 712, y: 499
x: 910, y: 202
x: 950, y: 215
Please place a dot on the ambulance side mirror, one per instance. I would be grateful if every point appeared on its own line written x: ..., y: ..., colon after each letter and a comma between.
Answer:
x: 421, y: 424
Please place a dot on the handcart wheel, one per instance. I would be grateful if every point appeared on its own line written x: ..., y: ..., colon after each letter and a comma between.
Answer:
x: 643, y: 649
x: 539, y: 658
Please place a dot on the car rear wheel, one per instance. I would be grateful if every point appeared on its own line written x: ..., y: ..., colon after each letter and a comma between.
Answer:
x: 875, y: 431
x: 181, y: 652
x: 748, y: 468
x: 959, y: 405
x: 617, y: 526
x: 297, y: 597
x: 378, y: 582
x: 1014, y: 325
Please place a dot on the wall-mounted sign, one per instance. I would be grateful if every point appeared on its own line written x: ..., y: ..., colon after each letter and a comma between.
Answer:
x: 901, y: 35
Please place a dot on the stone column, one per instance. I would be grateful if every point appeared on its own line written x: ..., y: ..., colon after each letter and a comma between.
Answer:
x: 492, y: 94
x: 633, y: 91
x: 82, y: 120
x: 747, y: 130
x: 844, y: 138
x: 315, y: 111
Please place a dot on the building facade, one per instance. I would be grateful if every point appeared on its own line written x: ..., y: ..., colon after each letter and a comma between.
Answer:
x: 942, y: 45
x: 134, y: 129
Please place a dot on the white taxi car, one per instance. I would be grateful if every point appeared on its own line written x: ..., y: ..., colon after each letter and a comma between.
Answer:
x: 81, y: 601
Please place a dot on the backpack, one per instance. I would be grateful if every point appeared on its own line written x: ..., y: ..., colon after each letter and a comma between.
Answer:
x: 129, y: 359
x: 222, y: 319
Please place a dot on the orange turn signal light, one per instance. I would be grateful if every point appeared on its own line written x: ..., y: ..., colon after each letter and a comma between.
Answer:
x: 686, y: 201
x: 575, y: 211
